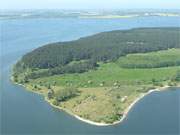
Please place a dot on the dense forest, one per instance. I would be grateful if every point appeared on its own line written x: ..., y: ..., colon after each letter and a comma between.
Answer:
x: 84, y: 54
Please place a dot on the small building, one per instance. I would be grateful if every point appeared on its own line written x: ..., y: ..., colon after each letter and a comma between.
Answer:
x: 115, y: 84
x: 89, y: 82
x: 101, y: 84
x: 123, y: 99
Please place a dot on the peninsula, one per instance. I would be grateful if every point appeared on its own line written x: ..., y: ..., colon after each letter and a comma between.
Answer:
x: 100, y: 77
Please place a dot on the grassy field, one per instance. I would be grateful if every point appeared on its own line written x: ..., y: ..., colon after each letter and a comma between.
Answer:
x: 109, y: 74
x: 99, y: 104
x: 105, y: 93
x: 150, y: 60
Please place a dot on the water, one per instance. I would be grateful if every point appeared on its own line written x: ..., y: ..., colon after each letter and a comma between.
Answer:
x: 24, y: 112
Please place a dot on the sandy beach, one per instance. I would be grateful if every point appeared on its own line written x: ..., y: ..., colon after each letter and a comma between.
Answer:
x: 116, y: 122
x: 97, y: 123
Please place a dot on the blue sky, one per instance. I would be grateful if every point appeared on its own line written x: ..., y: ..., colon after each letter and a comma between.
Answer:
x: 89, y: 4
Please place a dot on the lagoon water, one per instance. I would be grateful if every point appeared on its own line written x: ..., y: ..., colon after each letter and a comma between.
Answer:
x: 24, y: 112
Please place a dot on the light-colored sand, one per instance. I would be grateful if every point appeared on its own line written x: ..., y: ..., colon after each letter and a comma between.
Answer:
x: 103, y: 124
x: 117, y: 122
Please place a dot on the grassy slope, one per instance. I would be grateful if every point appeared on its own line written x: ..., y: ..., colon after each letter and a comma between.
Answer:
x: 155, y: 59
x: 110, y: 73
x: 103, y: 103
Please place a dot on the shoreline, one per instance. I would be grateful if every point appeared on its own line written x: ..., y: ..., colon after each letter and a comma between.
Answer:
x: 142, y: 95
x: 116, y: 122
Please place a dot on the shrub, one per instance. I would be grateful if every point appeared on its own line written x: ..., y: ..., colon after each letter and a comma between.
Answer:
x: 111, y: 118
x: 66, y: 93
x: 55, y: 102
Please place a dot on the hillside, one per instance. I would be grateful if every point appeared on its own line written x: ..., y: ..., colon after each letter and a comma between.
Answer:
x: 113, y: 72
x: 85, y: 53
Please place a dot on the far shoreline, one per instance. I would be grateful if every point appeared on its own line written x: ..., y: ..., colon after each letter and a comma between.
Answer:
x: 142, y: 95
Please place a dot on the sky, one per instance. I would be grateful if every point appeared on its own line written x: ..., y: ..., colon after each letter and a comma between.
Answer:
x: 89, y: 4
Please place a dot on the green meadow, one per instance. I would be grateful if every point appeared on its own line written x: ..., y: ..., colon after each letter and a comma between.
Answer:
x: 165, y: 58
x: 109, y: 73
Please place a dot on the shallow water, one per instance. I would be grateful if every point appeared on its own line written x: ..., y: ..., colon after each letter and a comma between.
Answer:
x: 24, y: 112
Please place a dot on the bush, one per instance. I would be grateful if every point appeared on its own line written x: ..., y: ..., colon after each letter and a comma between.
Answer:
x: 66, y: 93
x: 111, y: 118
x: 55, y: 102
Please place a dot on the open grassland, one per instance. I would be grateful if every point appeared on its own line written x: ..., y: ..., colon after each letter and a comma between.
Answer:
x: 158, y: 59
x: 109, y: 74
x: 99, y: 104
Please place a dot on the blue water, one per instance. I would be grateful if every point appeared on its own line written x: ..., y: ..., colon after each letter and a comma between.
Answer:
x: 23, y: 112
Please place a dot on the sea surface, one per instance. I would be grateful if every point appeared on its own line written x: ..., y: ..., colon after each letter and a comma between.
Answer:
x: 23, y: 112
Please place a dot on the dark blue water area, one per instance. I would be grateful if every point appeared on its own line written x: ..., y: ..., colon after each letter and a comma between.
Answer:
x: 23, y: 112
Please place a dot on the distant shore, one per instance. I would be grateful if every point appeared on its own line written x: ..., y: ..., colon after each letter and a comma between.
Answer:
x: 125, y: 16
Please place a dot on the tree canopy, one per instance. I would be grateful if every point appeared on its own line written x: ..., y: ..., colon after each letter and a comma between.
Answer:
x: 83, y: 54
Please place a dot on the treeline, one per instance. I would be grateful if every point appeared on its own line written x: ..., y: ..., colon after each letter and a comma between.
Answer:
x: 73, y: 68
x: 150, y: 65
x: 106, y: 46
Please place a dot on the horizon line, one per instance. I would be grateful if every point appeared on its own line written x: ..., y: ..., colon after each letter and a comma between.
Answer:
x: 89, y: 9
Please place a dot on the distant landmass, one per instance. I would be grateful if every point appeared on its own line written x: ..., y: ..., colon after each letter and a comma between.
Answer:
x: 91, y: 14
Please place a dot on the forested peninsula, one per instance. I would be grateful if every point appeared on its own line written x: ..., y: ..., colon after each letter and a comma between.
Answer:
x: 98, y: 78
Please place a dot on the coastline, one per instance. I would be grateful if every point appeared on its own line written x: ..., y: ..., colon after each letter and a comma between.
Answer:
x: 116, y: 122
x: 142, y: 95
x: 76, y: 116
